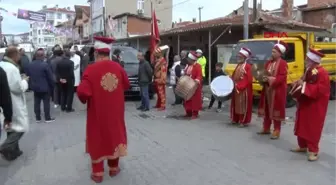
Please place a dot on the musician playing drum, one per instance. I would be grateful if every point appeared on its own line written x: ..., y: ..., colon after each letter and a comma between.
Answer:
x: 194, y: 70
x: 242, y: 96
x: 273, y: 95
x: 312, y: 106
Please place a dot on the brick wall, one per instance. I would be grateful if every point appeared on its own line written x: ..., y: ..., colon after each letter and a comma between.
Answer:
x: 136, y: 25
x: 317, y: 3
x: 323, y: 18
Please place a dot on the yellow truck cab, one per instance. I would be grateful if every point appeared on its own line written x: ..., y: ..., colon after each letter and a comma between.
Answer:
x: 298, y: 44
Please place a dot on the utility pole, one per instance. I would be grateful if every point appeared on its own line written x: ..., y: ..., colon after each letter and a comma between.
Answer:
x: 91, y: 19
x: 246, y: 19
x: 1, y: 19
x: 200, y: 13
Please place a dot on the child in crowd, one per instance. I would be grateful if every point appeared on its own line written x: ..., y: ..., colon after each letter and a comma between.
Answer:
x: 219, y: 72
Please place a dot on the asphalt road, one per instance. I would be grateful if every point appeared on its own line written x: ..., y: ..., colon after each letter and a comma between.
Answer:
x: 167, y: 150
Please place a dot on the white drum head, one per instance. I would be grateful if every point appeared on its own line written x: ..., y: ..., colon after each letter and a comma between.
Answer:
x: 222, y: 86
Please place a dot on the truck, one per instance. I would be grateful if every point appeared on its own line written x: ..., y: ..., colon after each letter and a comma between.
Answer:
x: 298, y: 45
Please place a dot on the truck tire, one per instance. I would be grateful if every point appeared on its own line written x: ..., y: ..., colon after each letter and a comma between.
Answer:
x: 290, y: 102
x: 332, y: 90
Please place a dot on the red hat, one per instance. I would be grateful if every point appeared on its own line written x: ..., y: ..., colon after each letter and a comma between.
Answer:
x: 245, y: 52
x: 281, y: 47
x: 315, y: 55
x: 103, y: 44
x: 192, y: 55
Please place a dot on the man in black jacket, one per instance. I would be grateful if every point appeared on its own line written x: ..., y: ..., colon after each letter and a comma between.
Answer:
x: 24, y: 61
x: 184, y: 59
x: 5, y: 99
x: 42, y: 83
x: 56, y: 58
x: 145, y: 75
x: 65, y: 76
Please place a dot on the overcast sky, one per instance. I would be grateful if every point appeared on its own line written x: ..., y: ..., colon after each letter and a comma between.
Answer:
x: 185, y: 11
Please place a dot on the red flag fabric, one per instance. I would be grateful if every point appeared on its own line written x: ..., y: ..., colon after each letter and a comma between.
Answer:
x: 155, y: 35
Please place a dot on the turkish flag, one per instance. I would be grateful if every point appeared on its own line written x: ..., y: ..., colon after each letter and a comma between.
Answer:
x: 155, y: 35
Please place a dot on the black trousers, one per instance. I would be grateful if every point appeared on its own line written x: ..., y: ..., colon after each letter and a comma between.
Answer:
x: 45, y: 97
x: 10, y: 147
x: 212, y: 101
x: 67, y: 95
x: 56, y: 94
x: 178, y: 100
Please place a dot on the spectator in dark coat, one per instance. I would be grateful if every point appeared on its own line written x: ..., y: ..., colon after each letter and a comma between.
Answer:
x: 57, y: 57
x: 24, y: 61
x: 66, y: 77
x: 184, y: 59
x: 5, y: 98
x: 116, y: 57
x: 145, y: 75
x: 42, y: 83
x: 91, y: 54
x: 85, y: 60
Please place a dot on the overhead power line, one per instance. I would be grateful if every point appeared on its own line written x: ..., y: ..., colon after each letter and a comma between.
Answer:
x: 174, y: 5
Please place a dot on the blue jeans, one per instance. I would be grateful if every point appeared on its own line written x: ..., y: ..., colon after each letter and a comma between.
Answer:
x: 144, y: 96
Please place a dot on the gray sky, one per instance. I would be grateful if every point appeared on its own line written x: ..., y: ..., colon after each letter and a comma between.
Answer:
x: 185, y: 11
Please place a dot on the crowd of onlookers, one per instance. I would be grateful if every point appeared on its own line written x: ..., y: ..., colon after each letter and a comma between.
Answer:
x: 54, y: 77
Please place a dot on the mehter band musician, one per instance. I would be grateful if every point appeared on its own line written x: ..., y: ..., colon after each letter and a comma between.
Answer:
x: 312, y: 105
x: 160, y: 77
x: 194, y: 70
x: 102, y: 89
x: 242, y: 96
x: 273, y: 95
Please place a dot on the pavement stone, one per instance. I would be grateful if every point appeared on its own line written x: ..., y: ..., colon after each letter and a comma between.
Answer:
x: 167, y: 150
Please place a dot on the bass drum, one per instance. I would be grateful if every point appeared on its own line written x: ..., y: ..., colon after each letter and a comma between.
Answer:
x: 221, y: 88
x: 186, y: 87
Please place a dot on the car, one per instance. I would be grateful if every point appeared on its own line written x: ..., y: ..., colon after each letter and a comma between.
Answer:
x: 131, y: 65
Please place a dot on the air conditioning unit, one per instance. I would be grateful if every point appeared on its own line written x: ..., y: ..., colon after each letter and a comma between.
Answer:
x: 141, y: 11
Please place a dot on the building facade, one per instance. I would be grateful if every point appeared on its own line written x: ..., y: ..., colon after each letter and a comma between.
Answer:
x: 129, y: 25
x: 82, y: 24
x: 16, y: 38
x: 40, y: 36
x: 102, y: 9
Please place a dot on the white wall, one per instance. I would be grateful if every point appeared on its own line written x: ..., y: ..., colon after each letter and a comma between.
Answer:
x: 120, y: 30
x: 97, y: 15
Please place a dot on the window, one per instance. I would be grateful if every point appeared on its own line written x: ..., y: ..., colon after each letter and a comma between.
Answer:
x: 68, y: 16
x: 59, y: 16
x: 39, y: 40
x: 141, y: 5
x: 290, y: 53
x: 31, y: 25
x: 262, y: 51
x: 50, y: 15
x: 119, y: 25
x: 39, y: 32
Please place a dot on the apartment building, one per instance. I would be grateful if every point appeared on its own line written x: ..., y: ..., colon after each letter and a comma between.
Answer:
x: 39, y: 35
x: 102, y: 9
x: 82, y: 23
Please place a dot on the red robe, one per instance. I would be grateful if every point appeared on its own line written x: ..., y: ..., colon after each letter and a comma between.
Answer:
x: 102, y: 88
x: 275, y: 91
x: 312, y: 105
x: 195, y: 102
x: 160, y: 78
x: 242, y: 96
